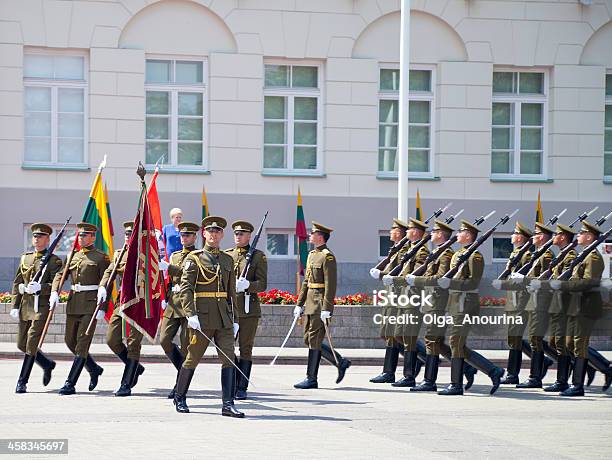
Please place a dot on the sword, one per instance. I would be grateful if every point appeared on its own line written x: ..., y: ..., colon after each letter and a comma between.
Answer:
x: 295, y: 318
x: 331, y: 345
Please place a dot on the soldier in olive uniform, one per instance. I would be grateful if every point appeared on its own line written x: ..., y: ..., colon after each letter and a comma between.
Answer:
x: 392, y: 347
x: 516, y: 301
x: 174, y: 316
x: 316, y: 302
x: 408, y: 333
x: 208, y: 297
x: 585, y: 307
x: 129, y: 355
x: 86, y: 268
x: 31, y: 304
x: 248, y: 309
x: 464, y: 300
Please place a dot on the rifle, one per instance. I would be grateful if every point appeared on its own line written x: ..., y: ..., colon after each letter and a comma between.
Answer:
x: 433, y: 256
x: 475, y: 245
x: 585, y: 252
x: 525, y: 269
x: 400, y: 244
x: 561, y: 256
x: 410, y: 254
x: 249, y: 257
x: 513, y: 262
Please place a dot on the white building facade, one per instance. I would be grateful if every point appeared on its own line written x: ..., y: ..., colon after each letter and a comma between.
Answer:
x: 255, y: 98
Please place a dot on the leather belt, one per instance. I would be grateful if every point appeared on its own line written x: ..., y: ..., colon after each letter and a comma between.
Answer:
x: 84, y: 287
x: 218, y: 295
x: 316, y: 285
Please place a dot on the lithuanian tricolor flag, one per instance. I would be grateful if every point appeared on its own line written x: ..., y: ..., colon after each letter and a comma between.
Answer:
x: 419, y: 210
x: 539, y: 214
x: 205, y: 210
x: 301, y: 234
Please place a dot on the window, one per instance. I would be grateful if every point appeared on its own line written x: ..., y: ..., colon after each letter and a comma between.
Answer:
x: 292, y: 118
x: 420, y: 129
x: 518, y: 124
x: 384, y: 243
x: 282, y: 244
x: 54, y: 109
x: 63, y: 247
x: 502, y: 247
x: 175, y: 113
x: 608, y: 130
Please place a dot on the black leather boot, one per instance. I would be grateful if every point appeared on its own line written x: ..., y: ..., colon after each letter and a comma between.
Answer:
x: 47, y: 365
x: 408, y: 380
x: 580, y: 369
x: 515, y: 359
x: 484, y: 365
x: 312, y: 371
x: 599, y: 362
x: 422, y: 357
x: 389, y: 366
x: 94, y: 370
x: 431, y: 375
x: 242, y: 383
x: 123, y: 356
x: 456, y: 386
x: 126, y: 380
x: 468, y: 371
x: 342, y: 365
x: 563, y: 369
x: 24, y: 375
x: 535, y: 373
x: 182, y: 386
x: 73, y: 376
x: 550, y: 357
x: 228, y: 382
x: 176, y: 358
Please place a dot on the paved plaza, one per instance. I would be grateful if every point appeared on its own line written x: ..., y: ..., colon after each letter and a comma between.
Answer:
x: 355, y: 419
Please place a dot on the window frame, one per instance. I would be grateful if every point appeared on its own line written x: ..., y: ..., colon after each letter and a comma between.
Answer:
x: 383, y: 233
x: 56, y: 228
x: 505, y: 235
x: 174, y: 88
x: 291, y: 94
x: 54, y: 85
x: 608, y: 102
x: 291, y: 254
x: 517, y: 100
x: 413, y: 96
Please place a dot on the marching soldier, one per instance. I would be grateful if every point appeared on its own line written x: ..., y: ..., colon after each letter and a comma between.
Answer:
x: 129, y: 355
x: 248, y: 309
x: 392, y: 347
x: 31, y: 304
x: 208, y: 296
x: 316, y: 301
x: 516, y: 301
x: 464, y: 300
x: 174, y: 316
x: 86, y: 270
x: 408, y: 333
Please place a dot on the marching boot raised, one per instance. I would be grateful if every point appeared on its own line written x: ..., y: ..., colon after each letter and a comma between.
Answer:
x: 94, y: 370
x: 228, y: 388
x: 410, y: 362
x: 312, y: 371
x: 24, y: 375
x: 342, y: 363
x: 47, y: 365
x: 456, y: 386
x: 389, y: 366
x: 431, y: 375
x: 487, y: 367
x: 182, y: 386
x: 73, y: 376
x: 597, y: 361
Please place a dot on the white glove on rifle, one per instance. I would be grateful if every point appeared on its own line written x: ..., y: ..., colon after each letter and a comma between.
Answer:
x: 33, y: 287
x: 100, y: 315
x: 14, y: 313
x: 101, y: 294
x: 375, y: 273
x: 53, y: 300
x: 242, y: 284
x: 193, y: 322
x: 163, y: 265
x: 21, y: 288
x: 297, y: 311
x: 236, y: 328
x: 535, y: 284
x: 555, y: 284
x: 325, y: 315
x: 387, y: 280
x: 516, y: 277
x: 496, y: 284
x: 444, y: 283
x: 410, y: 279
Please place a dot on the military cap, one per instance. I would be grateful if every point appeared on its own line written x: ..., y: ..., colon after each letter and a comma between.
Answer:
x: 588, y: 227
x: 41, y: 229
x: 565, y: 229
x: 397, y: 223
x: 465, y: 225
x: 128, y: 225
x: 214, y: 222
x: 441, y: 225
x: 87, y: 227
x: 541, y: 228
x: 188, y: 227
x: 242, y: 226
x: 317, y: 227
x: 522, y: 229
x: 416, y: 223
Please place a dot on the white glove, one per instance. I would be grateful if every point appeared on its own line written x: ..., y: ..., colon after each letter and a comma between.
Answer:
x: 535, y: 284
x: 193, y: 322
x: 607, y: 283
x: 164, y: 304
x: 496, y: 284
x: 297, y: 311
x: 101, y: 294
x: 375, y: 273
x: 444, y: 283
x: 33, y: 287
x: 516, y: 277
x: 163, y: 265
x: 387, y: 280
x: 236, y: 328
x: 21, y: 288
x: 242, y: 284
x: 555, y: 284
x: 325, y: 315
x: 14, y: 313
x: 410, y: 279
x: 100, y: 315
x: 53, y: 300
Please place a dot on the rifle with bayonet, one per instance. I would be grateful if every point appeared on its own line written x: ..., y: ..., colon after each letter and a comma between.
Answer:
x: 249, y: 257
x: 585, y: 252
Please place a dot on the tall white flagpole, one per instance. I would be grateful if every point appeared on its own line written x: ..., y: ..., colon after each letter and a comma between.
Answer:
x: 402, y: 140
